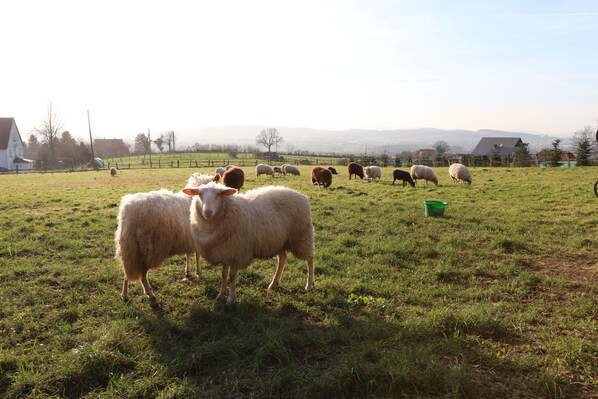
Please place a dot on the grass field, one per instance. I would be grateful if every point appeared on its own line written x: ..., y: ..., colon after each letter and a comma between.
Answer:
x: 498, y: 298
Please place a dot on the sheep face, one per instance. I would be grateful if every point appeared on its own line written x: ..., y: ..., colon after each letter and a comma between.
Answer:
x: 210, y: 198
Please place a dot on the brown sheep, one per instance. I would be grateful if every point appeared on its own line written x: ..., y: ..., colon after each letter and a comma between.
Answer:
x: 234, y: 178
x: 321, y: 176
x: 355, y: 169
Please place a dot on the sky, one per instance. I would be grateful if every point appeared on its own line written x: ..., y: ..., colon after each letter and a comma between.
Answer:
x: 165, y: 65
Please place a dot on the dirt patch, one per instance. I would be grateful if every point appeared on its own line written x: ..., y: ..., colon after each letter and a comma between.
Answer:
x: 581, y: 273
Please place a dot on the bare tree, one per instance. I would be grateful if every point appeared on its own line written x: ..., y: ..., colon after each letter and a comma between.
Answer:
x: 268, y: 138
x: 441, y: 147
x: 48, y: 130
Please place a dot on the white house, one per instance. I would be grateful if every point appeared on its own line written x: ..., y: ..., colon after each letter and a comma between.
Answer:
x: 11, y: 147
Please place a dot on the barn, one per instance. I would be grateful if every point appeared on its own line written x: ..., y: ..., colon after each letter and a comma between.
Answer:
x: 11, y: 147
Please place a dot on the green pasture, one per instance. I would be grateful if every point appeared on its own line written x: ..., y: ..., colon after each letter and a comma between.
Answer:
x: 204, y: 160
x: 496, y: 299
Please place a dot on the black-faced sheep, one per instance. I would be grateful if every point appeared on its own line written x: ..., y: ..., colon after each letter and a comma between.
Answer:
x: 403, y: 175
x: 332, y: 170
x: 232, y: 230
x: 152, y: 227
x: 459, y: 172
x: 355, y: 169
x: 234, y: 178
x: 277, y: 170
x: 321, y: 176
x: 423, y: 172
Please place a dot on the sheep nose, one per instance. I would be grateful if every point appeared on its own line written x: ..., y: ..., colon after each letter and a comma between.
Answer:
x: 208, y: 213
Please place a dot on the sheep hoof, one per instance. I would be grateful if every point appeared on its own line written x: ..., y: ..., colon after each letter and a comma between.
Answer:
x: 154, y: 303
x: 231, y: 300
x: 220, y: 298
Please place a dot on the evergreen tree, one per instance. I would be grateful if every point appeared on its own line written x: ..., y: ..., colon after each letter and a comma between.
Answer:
x: 555, y: 154
x: 522, y: 156
x: 583, y: 145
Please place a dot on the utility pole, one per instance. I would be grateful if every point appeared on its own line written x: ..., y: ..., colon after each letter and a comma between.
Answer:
x: 149, y: 146
x: 93, y: 158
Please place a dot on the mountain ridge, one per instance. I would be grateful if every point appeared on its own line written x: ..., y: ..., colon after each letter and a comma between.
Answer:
x: 359, y: 140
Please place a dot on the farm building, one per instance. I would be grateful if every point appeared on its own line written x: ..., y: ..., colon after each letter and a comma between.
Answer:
x: 11, y: 147
x: 501, y: 146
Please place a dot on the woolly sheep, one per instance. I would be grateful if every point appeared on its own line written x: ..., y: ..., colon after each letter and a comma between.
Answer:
x: 263, y: 169
x: 291, y: 170
x: 423, y: 172
x: 332, y: 170
x: 373, y: 172
x: 277, y: 169
x: 113, y: 171
x: 403, y: 175
x: 220, y: 171
x: 459, y: 172
x: 234, y: 178
x: 355, y: 169
x: 153, y: 226
x: 232, y: 230
x: 321, y: 176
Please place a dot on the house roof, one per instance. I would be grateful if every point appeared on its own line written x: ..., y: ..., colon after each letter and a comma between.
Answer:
x: 505, y: 145
x: 5, y: 128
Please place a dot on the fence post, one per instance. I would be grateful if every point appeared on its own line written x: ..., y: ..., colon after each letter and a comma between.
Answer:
x: 17, y: 169
x: 177, y: 164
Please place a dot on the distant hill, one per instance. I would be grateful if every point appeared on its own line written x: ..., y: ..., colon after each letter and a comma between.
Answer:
x: 358, y: 140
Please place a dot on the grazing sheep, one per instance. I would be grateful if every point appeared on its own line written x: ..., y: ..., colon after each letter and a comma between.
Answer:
x: 355, y: 169
x: 291, y: 170
x: 403, y: 175
x: 423, y: 172
x: 230, y: 166
x: 332, y: 170
x: 234, y: 178
x: 373, y: 172
x: 277, y: 169
x: 232, y: 230
x: 321, y: 176
x: 282, y: 168
x: 220, y: 171
x: 459, y: 172
x: 113, y: 171
x: 152, y: 227
x: 263, y: 169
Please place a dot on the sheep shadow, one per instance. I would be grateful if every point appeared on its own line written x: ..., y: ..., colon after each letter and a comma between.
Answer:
x: 258, y: 349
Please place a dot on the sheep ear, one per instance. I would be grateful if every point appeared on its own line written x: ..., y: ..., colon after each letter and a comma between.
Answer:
x: 228, y: 191
x: 217, y: 177
x: 191, y: 191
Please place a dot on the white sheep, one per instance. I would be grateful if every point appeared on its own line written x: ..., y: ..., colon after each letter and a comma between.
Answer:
x: 153, y: 226
x: 263, y: 169
x: 220, y: 171
x: 423, y: 172
x: 459, y: 172
x: 232, y: 230
x: 290, y: 170
x: 373, y: 172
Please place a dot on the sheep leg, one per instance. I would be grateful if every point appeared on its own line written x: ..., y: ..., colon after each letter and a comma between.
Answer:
x: 222, y: 293
x: 125, y: 290
x: 310, y: 273
x: 147, y: 288
x: 282, y: 258
x: 232, y: 296
x: 197, y: 265
x: 187, y: 266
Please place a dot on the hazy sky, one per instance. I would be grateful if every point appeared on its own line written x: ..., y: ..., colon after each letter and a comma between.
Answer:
x: 504, y: 64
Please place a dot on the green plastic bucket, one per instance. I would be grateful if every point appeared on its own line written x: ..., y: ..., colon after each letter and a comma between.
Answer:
x: 434, y: 208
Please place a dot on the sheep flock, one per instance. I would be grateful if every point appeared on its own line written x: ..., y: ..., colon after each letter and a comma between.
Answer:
x: 214, y: 221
